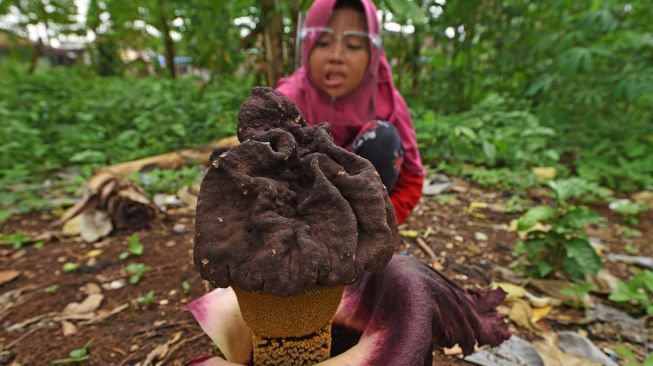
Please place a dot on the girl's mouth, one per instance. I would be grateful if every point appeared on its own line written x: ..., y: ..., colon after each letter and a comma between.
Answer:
x: 334, y: 79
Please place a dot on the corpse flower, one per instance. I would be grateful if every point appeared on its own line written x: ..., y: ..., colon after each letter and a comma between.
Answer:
x: 392, y: 317
x: 286, y: 222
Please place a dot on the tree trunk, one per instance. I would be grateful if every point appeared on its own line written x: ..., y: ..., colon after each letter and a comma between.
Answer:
x: 38, y: 47
x: 272, y: 40
x: 167, y: 41
x: 417, y: 48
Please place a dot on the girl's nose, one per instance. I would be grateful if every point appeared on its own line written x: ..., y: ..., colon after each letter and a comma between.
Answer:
x: 337, y: 50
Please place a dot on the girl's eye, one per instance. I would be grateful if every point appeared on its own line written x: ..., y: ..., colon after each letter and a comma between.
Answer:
x: 355, y: 43
x: 323, y: 44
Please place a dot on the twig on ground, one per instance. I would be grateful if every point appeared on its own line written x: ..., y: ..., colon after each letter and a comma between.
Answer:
x: 15, y: 341
x: 178, y: 346
x: 429, y: 252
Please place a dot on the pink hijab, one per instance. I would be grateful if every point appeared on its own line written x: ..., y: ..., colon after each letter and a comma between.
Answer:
x: 376, y: 97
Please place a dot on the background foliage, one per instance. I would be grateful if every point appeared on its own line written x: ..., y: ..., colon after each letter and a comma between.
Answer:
x: 496, y: 87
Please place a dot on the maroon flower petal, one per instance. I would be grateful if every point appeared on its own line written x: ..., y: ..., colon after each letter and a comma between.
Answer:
x: 409, y: 304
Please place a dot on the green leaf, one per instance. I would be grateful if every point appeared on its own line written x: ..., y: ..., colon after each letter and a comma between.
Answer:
x: 89, y: 156
x: 70, y: 360
x: 134, y: 279
x: 136, y: 249
x: 585, y: 259
x: 69, y: 267
x: 535, y: 215
x: 146, y: 299
x: 406, y: 9
x: 543, y: 269
x: 535, y: 247
x: 123, y: 255
x: 78, y: 353
x: 52, y: 288
x: 542, y: 85
x: 490, y: 151
x: 5, y: 215
x: 579, y: 217
x: 466, y: 131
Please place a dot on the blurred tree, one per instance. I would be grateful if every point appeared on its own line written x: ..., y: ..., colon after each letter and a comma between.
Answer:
x: 272, y: 24
x: 54, y: 16
x: 137, y: 23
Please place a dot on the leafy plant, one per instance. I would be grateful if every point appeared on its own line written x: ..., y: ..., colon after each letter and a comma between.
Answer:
x: 630, y: 358
x: 185, y: 286
x: 5, y: 215
x: 17, y: 239
x: 166, y: 180
x: 503, y: 178
x: 445, y: 199
x: 76, y: 355
x: 516, y: 204
x: 628, y: 210
x: 577, y: 188
x: 629, y: 232
x: 85, y: 122
x: 577, y: 293
x: 638, y: 291
x: 556, y: 241
x: 490, y: 135
x: 630, y: 249
x: 134, y: 247
x: 146, y: 299
x: 136, y: 271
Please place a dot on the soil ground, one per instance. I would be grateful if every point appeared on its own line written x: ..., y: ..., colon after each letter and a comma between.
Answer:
x: 469, y: 242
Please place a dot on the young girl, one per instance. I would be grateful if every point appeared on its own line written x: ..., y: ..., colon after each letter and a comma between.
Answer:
x: 345, y: 80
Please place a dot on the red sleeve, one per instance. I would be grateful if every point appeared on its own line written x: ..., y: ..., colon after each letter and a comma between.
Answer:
x: 405, y: 194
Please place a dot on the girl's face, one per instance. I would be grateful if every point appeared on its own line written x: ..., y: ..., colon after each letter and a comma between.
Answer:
x: 338, y: 61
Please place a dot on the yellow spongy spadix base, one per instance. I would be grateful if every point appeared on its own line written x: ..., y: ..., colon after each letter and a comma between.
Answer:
x: 294, y: 316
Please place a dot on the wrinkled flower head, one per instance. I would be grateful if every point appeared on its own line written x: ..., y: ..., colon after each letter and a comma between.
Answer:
x: 287, y: 209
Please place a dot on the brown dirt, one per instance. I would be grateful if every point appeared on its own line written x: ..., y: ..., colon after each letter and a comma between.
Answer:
x: 127, y: 337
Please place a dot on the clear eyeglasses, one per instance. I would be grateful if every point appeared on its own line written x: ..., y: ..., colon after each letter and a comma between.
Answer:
x: 351, y: 40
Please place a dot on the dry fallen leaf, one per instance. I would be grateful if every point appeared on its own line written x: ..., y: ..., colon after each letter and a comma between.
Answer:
x: 453, y: 351
x: 553, y: 356
x: 68, y: 328
x: 10, y: 275
x: 94, y: 225
x: 544, y: 174
x: 541, y: 301
x: 473, y: 206
x: 105, y: 314
x: 644, y: 198
x: 512, y: 291
x: 161, y: 351
x: 522, y: 314
x: 71, y: 227
x: 91, y: 288
x: 539, y: 313
x: 408, y: 233
x: 91, y: 303
x: 94, y: 253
